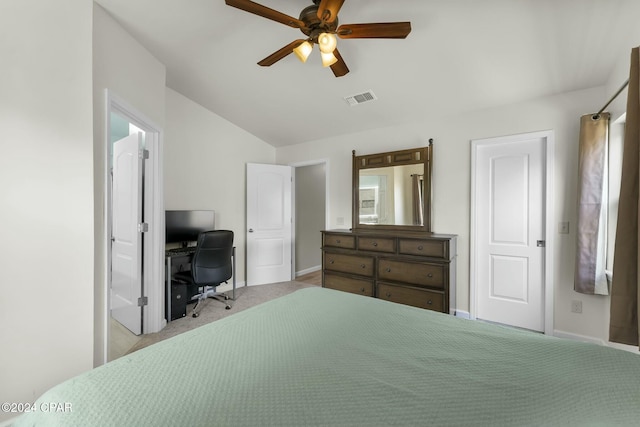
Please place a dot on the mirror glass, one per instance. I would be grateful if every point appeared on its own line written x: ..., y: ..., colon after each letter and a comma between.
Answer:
x: 392, y: 195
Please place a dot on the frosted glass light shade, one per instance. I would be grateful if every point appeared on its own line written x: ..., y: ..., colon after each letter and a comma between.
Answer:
x: 328, y: 59
x: 327, y: 42
x: 303, y: 51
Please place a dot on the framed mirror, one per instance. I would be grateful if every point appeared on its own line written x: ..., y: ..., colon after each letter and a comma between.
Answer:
x: 393, y: 190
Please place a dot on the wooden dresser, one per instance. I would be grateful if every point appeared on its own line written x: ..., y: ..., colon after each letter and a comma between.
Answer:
x: 406, y: 267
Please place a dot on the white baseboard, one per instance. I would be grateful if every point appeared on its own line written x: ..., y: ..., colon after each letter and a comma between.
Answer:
x: 308, y: 270
x: 577, y: 337
x: 463, y: 314
x: 625, y: 347
x: 598, y: 341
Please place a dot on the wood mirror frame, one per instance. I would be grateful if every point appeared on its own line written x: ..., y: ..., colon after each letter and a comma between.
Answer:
x: 415, y: 156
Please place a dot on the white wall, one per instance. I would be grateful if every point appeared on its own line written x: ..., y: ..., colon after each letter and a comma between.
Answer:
x: 310, y: 216
x: 46, y: 196
x: 123, y: 66
x: 451, y: 182
x: 205, y: 159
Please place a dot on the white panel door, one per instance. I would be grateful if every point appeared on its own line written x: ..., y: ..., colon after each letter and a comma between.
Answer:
x: 126, y: 249
x: 269, y: 224
x: 509, y: 232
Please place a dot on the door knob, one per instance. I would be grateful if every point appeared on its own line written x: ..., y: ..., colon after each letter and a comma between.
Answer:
x: 251, y: 230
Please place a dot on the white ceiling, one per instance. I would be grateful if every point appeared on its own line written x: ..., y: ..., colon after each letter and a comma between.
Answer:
x: 461, y: 55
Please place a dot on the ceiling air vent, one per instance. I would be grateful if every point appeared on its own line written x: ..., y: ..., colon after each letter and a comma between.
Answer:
x: 360, y: 98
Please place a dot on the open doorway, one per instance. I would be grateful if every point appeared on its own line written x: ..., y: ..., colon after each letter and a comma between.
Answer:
x: 311, y: 207
x: 137, y: 306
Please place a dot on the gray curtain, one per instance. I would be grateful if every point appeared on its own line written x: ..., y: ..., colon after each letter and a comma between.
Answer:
x: 417, y: 198
x: 623, y: 326
x: 590, y: 276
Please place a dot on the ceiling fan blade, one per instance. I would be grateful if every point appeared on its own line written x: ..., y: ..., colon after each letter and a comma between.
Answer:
x: 279, y: 54
x: 328, y: 10
x: 265, y: 12
x: 381, y: 30
x: 340, y: 67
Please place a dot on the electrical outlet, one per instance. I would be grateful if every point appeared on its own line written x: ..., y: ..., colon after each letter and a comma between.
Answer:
x: 576, y: 306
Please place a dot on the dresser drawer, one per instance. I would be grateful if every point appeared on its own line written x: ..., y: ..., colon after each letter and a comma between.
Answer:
x: 340, y: 241
x: 377, y: 244
x: 354, y: 264
x: 421, y: 298
x: 348, y: 284
x: 420, y: 247
x: 415, y: 273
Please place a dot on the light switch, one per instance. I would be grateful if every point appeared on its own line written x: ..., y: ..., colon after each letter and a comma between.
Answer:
x: 563, y: 227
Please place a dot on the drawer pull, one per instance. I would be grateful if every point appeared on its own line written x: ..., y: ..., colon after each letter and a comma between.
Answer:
x: 331, y: 261
x: 362, y: 290
x: 338, y: 241
x: 375, y: 244
x: 388, y: 270
x: 388, y: 294
x: 420, y: 247
x: 363, y: 265
x: 429, y: 302
x: 430, y: 275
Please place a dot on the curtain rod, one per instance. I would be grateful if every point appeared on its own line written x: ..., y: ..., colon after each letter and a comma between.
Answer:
x: 597, y: 115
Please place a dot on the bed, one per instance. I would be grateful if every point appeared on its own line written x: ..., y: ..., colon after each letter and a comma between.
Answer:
x: 324, y: 357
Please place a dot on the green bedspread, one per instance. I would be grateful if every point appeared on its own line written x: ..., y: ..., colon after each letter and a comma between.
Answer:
x: 323, y: 357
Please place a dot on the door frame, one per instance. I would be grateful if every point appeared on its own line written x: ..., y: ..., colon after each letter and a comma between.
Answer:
x: 153, y: 254
x: 548, y: 137
x: 327, y: 223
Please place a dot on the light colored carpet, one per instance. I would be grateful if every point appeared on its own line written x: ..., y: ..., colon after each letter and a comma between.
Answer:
x: 213, y: 310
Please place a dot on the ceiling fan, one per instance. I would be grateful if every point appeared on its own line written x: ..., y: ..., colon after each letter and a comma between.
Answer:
x: 319, y: 22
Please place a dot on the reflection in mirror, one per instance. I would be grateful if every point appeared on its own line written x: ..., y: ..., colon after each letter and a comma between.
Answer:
x: 392, y: 195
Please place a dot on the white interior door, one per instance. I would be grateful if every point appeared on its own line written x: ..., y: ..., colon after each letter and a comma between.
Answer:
x: 510, y: 231
x: 126, y: 249
x: 269, y: 224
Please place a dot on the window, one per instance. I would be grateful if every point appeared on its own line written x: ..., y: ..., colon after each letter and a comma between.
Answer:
x: 616, y: 146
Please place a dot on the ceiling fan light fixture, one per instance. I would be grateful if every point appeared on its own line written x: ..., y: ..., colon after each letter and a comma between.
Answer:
x: 327, y: 42
x: 303, y: 51
x: 328, y: 59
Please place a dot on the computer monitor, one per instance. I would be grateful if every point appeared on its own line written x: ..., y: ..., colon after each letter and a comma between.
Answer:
x: 183, y: 226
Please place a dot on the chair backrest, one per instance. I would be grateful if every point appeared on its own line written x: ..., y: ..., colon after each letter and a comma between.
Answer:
x: 211, y: 262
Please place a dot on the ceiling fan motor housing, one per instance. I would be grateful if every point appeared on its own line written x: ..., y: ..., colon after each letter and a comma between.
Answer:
x: 313, y: 26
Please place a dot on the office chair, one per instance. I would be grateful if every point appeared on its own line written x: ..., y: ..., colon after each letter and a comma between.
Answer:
x: 210, y: 267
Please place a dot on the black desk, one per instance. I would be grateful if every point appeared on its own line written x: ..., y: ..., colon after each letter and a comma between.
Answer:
x: 179, y: 259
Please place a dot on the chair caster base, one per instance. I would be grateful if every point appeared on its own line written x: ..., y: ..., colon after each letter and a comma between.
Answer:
x: 195, y: 314
x: 228, y: 307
